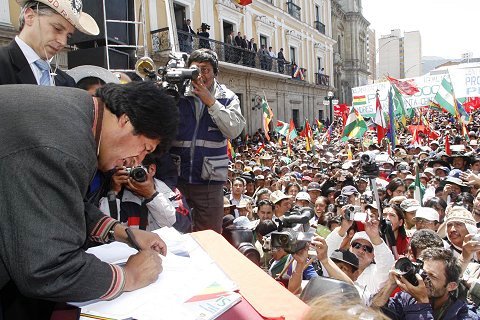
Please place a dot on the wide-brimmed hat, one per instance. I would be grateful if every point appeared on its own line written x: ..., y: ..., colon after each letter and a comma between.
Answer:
x: 277, y: 196
x: 72, y: 12
x: 457, y: 181
x: 86, y: 71
x: 346, y: 257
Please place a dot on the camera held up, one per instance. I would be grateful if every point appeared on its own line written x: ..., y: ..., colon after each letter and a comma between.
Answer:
x: 138, y: 174
x: 409, y: 269
x: 289, y: 239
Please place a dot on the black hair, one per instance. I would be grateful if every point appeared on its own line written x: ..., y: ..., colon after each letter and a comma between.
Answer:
x: 292, y: 184
x: 244, y: 183
x: 88, y: 82
x: 204, y: 55
x: 399, y: 212
x: 152, y: 112
x: 265, y: 202
x: 436, y: 202
x: 452, y: 267
x: 393, y: 185
x: 423, y: 239
x: 265, y: 227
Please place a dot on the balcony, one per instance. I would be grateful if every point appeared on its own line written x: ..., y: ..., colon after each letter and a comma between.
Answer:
x: 293, y: 10
x: 225, y: 52
x: 320, y: 27
x: 322, y: 80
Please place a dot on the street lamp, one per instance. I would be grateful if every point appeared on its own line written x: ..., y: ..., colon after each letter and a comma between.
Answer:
x: 330, y: 101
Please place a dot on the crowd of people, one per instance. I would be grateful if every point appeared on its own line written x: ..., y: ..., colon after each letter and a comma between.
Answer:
x: 428, y: 210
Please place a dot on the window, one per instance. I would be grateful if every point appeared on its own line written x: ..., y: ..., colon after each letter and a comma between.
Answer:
x: 295, y: 116
x: 227, y: 28
x: 263, y: 41
x: 293, y: 57
x: 319, y: 64
x: 320, y: 115
x: 317, y: 13
x: 180, y: 15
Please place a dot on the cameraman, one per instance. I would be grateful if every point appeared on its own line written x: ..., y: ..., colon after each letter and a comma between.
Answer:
x: 209, y: 114
x: 203, y: 32
x: 433, y: 297
x: 141, y: 204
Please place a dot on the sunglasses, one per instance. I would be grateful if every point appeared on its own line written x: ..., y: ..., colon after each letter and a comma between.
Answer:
x: 364, y: 247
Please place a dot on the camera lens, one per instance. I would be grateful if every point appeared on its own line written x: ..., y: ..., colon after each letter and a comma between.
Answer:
x: 283, y: 239
x: 139, y: 174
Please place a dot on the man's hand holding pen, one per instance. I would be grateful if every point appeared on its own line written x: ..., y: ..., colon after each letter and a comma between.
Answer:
x: 143, y: 267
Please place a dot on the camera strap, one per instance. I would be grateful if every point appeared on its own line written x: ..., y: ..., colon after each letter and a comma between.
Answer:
x: 97, y: 121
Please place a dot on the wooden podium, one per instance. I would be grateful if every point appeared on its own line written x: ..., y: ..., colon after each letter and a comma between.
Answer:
x: 270, y: 299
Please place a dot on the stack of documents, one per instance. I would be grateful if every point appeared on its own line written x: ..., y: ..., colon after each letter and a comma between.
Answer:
x: 187, y: 272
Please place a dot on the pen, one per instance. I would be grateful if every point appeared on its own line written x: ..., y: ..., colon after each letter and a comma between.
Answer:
x: 131, y: 239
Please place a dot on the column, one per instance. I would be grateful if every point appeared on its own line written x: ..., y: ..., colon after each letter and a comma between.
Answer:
x: 5, y: 13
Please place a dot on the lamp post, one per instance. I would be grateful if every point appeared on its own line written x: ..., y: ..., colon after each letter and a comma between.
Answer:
x: 330, y: 101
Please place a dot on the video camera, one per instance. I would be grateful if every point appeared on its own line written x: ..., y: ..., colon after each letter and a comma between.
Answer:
x: 288, y: 239
x: 175, y: 74
x: 138, y: 174
x: 204, y: 27
x: 368, y: 166
x: 409, y: 269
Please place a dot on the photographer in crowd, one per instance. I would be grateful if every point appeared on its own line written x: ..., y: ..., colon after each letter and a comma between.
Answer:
x: 209, y: 114
x: 433, y: 295
x: 46, y: 222
x: 141, y: 200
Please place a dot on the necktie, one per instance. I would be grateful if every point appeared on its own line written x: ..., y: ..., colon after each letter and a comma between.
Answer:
x: 45, y: 68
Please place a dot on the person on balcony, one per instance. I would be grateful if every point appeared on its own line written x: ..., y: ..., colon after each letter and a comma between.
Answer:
x: 281, y: 61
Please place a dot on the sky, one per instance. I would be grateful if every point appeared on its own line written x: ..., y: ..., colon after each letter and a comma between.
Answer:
x: 447, y: 28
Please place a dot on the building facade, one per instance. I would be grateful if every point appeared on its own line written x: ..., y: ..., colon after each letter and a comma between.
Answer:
x: 350, y: 30
x: 400, y: 57
x: 372, y: 55
x: 294, y: 88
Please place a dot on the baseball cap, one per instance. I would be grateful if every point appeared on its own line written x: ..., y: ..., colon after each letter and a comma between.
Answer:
x: 427, y: 213
x: 277, y: 196
x: 445, y: 169
x: 362, y: 235
x: 346, y: 257
x: 349, y: 190
x: 72, y: 12
x: 409, y: 205
x: 314, y: 186
x: 303, y: 196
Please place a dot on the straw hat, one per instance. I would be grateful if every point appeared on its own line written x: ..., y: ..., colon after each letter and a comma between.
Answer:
x: 71, y: 10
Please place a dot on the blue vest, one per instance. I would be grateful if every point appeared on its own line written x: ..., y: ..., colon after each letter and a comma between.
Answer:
x: 200, y: 149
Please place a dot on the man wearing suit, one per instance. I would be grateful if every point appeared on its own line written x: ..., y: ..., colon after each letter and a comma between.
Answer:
x: 43, y: 33
x: 188, y: 39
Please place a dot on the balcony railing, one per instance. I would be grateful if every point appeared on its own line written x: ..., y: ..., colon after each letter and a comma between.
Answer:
x: 225, y: 52
x: 322, y: 80
x: 293, y: 10
x: 320, y: 27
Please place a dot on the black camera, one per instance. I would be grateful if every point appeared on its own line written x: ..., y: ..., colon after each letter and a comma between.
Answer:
x: 341, y: 200
x: 204, y: 26
x: 138, y: 174
x: 290, y: 240
x: 175, y: 74
x: 368, y: 166
x: 366, y: 199
x: 409, y: 269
